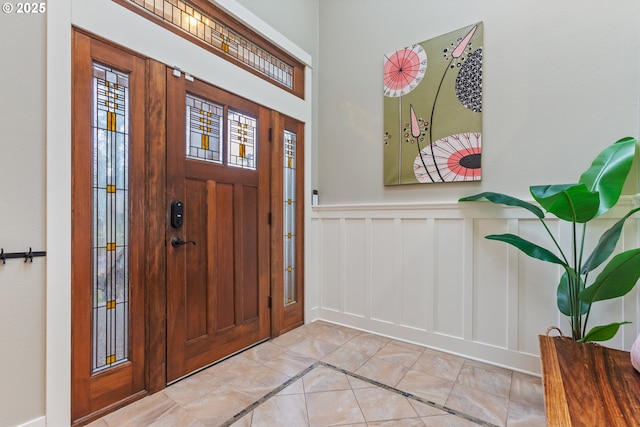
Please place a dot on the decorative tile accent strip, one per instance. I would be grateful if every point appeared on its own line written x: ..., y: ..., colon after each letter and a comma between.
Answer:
x: 304, y: 372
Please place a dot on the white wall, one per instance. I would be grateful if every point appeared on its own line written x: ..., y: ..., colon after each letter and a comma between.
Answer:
x: 22, y: 205
x: 560, y: 82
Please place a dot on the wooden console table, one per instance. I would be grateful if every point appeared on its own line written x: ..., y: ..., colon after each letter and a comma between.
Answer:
x: 588, y: 384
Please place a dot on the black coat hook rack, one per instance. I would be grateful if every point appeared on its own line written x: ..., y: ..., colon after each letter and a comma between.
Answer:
x: 28, y: 256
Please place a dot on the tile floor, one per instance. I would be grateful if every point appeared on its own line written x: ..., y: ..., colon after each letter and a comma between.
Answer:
x: 327, y: 375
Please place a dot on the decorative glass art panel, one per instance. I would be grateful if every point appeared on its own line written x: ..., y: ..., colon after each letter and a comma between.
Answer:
x: 204, y: 130
x: 110, y: 239
x: 242, y: 140
x: 213, y: 32
x: 433, y: 110
x: 289, y: 180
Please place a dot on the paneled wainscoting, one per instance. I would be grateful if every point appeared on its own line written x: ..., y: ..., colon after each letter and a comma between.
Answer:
x: 424, y: 273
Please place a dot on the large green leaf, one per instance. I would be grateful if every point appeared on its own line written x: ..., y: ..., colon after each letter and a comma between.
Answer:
x: 570, y: 202
x: 606, y: 244
x: 503, y: 199
x: 528, y: 248
x: 603, y: 332
x: 617, y: 278
x: 609, y: 171
x: 564, y: 296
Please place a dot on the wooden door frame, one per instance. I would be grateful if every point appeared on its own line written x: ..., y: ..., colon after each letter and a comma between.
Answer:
x: 157, y: 216
x: 126, y: 381
x: 285, y: 318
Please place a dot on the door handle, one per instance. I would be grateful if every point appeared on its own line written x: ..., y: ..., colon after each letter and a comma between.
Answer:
x: 176, y: 241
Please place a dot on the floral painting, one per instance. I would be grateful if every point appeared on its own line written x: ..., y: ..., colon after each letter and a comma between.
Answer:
x: 433, y: 110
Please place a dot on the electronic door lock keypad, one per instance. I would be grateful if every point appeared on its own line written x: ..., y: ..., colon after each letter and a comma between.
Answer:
x: 177, y: 214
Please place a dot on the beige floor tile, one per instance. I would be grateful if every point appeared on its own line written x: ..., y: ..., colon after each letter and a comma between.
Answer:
x: 382, y: 371
x: 244, y: 421
x: 346, y: 358
x: 338, y: 335
x: 284, y: 411
x: 523, y: 415
x: 264, y: 352
x: 528, y: 390
x: 296, y: 388
x: 330, y: 408
x: 378, y: 404
x: 395, y: 353
x: 425, y: 410
x: 290, y: 364
x: 448, y: 421
x: 366, y: 344
x: 493, y: 382
x: 356, y: 383
x: 325, y: 396
x: 439, y: 364
x: 407, y: 422
x: 429, y: 387
x: 216, y: 408
x: 325, y: 379
x: 479, y: 404
x: 313, y: 347
x: 143, y: 412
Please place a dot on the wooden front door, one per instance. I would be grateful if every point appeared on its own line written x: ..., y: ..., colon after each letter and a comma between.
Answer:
x: 217, y: 233
x: 108, y: 210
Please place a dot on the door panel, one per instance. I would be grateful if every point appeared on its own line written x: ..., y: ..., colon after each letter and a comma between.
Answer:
x: 108, y: 288
x: 287, y: 266
x: 218, y: 286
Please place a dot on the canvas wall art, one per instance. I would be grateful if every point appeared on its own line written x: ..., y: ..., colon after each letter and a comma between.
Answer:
x: 433, y: 110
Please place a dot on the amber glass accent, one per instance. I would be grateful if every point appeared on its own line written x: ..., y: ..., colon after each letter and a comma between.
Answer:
x: 204, y: 130
x: 110, y: 207
x: 289, y: 180
x: 242, y: 145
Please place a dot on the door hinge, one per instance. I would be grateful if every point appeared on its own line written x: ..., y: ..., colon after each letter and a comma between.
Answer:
x: 270, y: 134
x: 270, y: 302
x: 269, y: 218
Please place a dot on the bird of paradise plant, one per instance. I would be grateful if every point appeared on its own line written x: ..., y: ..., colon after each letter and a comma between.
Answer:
x: 596, y: 192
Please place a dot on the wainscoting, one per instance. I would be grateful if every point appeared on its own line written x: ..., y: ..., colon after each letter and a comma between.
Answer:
x: 424, y: 273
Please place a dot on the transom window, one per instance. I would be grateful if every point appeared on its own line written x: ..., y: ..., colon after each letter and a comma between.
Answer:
x: 212, y: 28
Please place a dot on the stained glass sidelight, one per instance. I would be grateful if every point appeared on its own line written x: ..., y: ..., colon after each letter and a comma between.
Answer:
x: 204, y: 130
x: 110, y: 207
x: 241, y: 145
x: 289, y: 217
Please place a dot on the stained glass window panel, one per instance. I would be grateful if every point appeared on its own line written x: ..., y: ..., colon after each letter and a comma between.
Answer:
x: 289, y: 215
x: 110, y: 214
x: 241, y: 145
x: 220, y: 36
x: 204, y: 130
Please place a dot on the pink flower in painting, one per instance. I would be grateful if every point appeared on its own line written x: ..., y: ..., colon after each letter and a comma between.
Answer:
x: 454, y: 158
x: 463, y: 44
x: 415, y: 126
x: 403, y: 70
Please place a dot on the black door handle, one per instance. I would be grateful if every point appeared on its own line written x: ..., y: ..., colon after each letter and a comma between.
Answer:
x: 176, y: 241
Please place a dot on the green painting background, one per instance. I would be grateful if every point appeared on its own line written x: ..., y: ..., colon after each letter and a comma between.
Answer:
x: 450, y: 116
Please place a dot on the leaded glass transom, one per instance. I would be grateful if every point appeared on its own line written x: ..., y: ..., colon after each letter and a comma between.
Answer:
x: 110, y: 213
x: 242, y: 140
x: 289, y: 207
x: 220, y: 36
x: 204, y: 130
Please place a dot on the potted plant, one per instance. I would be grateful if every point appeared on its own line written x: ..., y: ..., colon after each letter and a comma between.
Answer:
x: 596, y: 192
